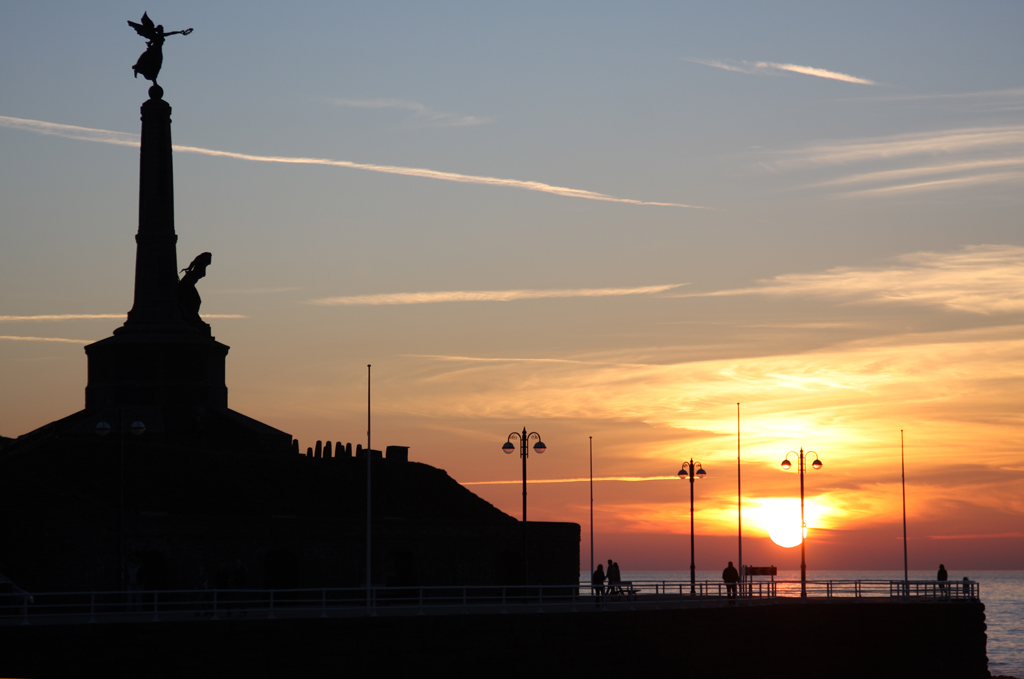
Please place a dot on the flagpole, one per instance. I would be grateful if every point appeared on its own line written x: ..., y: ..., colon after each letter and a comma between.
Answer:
x: 739, y: 503
x: 591, y: 505
x: 369, y: 458
x: 903, y: 472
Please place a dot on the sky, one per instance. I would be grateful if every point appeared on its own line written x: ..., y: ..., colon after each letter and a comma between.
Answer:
x: 599, y: 221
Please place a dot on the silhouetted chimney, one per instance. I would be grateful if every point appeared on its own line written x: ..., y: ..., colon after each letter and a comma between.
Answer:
x: 398, y: 453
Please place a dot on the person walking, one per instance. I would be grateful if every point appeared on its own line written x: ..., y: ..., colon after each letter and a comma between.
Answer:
x: 614, y: 578
x: 597, y: 581
x: 730, y: 576
x: 942, y: 577
x: 134, y: 584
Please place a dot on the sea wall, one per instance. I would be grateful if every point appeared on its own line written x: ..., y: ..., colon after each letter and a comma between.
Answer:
x: 792, y: 640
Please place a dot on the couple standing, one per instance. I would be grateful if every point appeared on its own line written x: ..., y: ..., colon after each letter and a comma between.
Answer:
x: 612, y: 576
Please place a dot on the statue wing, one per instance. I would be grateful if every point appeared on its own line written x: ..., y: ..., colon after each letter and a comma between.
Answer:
x: 147, y: 29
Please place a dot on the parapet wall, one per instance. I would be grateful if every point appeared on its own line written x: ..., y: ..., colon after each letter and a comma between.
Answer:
x: 855, y: 640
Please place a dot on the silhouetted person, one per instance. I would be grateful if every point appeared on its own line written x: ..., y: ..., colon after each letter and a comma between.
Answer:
x: 967, y: 587
x: 614, y: 577
x: 240, y: 578
x: 188, y: 297
x: 201, y: 583
x: 942, y: 577
x: 134, y: 585
x: 730, y: 576
x: 597, y: 580
x: 224, y: 582
x: 153, y: 58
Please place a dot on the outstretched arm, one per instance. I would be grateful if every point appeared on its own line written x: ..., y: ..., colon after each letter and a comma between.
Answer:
x: 185, y: 32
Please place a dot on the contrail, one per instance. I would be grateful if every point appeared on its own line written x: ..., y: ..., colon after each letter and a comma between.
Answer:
x: 43, y: 339
x: 817, y: 72
x: 752, y: 67
x: 61, y: 317
x: 89, y: 317
x: 125, y: 139
x: 485, y: 295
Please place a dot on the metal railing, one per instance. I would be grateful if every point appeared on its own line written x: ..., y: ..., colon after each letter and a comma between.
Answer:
x: 197, y: 605
x: 818, y: 589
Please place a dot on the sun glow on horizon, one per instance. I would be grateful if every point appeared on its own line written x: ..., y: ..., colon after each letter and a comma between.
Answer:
x: 779, y: 518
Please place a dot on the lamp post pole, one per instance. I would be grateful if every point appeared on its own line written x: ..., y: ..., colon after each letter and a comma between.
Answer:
x: 102, y: 429
x: 802, y: 467
x: 524, y: 452
x: 692, y: 471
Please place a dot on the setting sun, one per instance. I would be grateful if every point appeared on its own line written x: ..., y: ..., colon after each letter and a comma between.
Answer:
x: 784, y: 524
x: 780, y: 519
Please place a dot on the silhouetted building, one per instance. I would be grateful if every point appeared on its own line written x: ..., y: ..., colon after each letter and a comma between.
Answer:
x: 205, y: 486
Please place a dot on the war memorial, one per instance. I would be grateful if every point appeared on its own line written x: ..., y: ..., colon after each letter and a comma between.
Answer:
x: 157, y: 532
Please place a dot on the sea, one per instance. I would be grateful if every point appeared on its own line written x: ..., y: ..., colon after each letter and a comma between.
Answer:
x: 1002, y: 592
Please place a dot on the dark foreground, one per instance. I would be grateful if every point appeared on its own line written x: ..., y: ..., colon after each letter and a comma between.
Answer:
x: 792, y: 640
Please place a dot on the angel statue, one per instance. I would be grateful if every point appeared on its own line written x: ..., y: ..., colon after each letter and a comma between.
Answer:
x: 151, y: 60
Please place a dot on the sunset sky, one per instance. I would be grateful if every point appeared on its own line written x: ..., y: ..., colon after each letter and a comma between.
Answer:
x: 607, y: 220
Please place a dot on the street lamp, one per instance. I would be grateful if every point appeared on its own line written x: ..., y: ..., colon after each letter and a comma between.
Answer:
x: 786, y: 464
x: 524, y: 452
x: 692, y: 471
x: 136, y: 428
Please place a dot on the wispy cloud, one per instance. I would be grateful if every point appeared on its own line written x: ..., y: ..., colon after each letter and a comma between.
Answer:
x: 941, y: 142
x: 769, y: 67
x: 1012, y: 93
x: 422, y: 114
x: 983, y: 279
x: 883, y: 176
x: 582, y: 479
x: 519, y: 359
x: 976, y: 536
x: 13, y: 338
x: 988, y: 101
x: 950, y: 183
x: 89, y: 317
x: 924, y: 161
x: 486, y: 295
x: 122, y: 139
x: 851, y: 395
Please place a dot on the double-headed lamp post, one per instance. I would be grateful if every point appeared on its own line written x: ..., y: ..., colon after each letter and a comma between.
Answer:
x: 786, y: 464
x: 102, y: 429
x: 524, y: 452
x: 692, y: 471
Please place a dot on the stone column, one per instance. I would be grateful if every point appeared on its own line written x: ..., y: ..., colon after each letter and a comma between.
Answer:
x: 156, y: 261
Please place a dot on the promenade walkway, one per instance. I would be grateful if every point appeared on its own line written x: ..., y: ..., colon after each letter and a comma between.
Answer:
x: 65, y: 608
